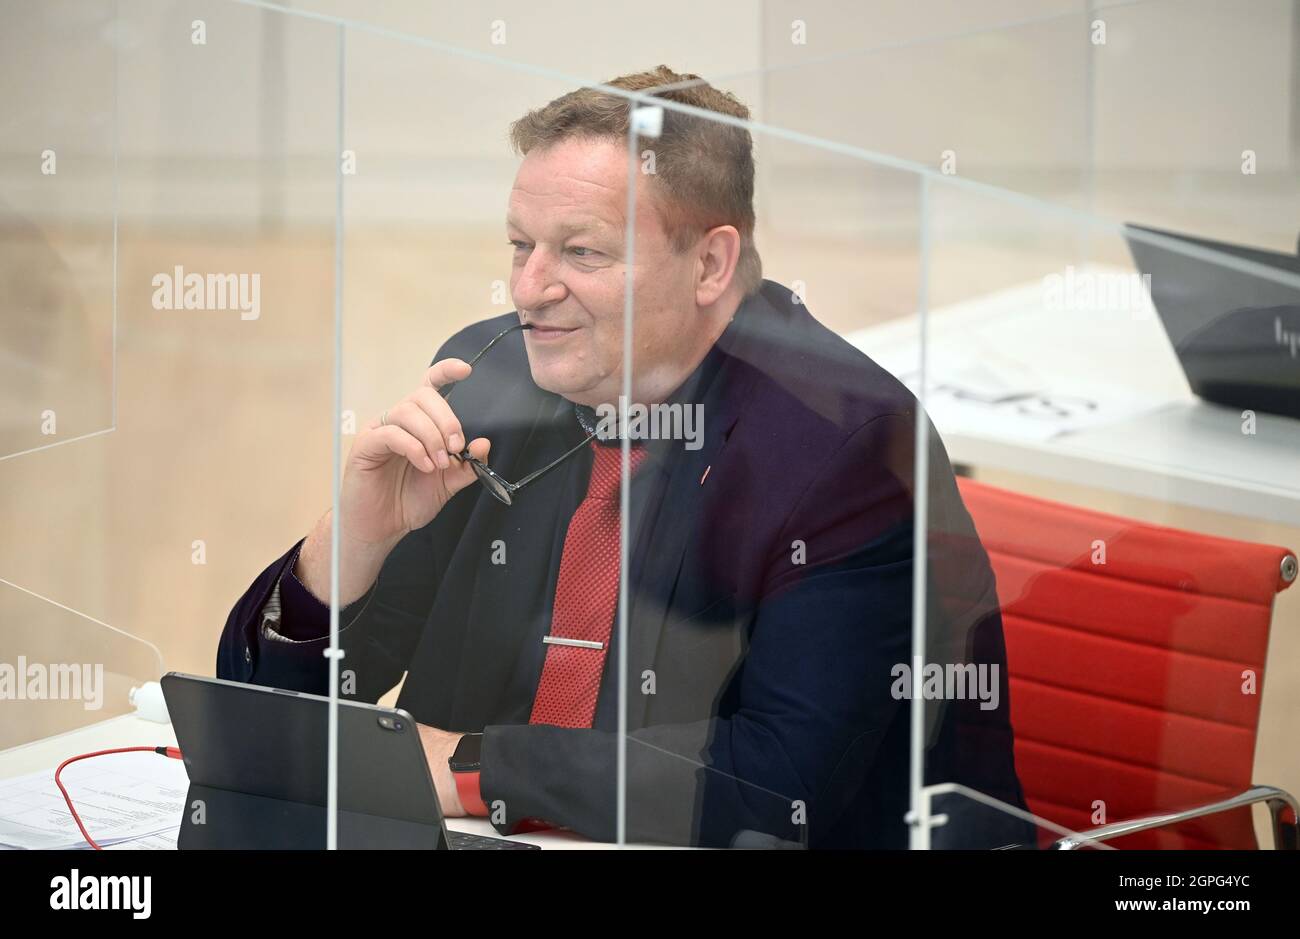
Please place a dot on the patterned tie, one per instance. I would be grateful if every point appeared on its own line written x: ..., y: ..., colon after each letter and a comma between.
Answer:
x: 586, y: 595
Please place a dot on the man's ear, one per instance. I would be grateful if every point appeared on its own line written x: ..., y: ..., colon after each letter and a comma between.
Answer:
x: 719, y: 253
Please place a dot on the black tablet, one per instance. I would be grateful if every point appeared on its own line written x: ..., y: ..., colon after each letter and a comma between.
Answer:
x: 257, y: 761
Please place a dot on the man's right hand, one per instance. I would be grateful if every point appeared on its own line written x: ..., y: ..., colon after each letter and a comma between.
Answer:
x: 399, y: 474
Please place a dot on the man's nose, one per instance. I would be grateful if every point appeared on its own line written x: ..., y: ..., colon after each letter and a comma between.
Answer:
x: 538, y: 284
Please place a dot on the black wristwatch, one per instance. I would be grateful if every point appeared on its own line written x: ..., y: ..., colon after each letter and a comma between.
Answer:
x: 466, y: 759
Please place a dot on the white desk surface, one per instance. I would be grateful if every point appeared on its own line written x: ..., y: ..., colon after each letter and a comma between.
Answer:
x: 131, y: 731
x: 1184, y: 451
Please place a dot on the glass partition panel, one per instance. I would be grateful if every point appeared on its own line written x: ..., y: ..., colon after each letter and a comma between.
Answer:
x: 61, y: 666
x: 450, y: 244
x: 168, y: 210
x: 769, y: 519
x: 1117, y: 391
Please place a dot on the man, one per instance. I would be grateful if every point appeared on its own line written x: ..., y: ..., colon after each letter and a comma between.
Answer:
x: 770, y: 574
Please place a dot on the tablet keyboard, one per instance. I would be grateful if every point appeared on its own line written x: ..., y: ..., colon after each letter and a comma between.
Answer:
x: 463, y: 841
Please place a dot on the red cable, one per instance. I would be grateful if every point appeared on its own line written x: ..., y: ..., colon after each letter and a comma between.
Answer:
x: 173, y: 753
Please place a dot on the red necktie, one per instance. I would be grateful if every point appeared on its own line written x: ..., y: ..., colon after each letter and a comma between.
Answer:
x: 586, y: 595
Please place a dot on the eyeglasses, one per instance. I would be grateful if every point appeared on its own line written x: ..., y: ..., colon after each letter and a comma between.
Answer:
x: 494, y: 482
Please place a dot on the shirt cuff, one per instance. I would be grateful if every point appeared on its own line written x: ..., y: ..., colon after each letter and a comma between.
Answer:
x: 293, y: 614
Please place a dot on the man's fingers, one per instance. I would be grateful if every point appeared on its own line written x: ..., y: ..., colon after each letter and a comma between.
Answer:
x: 411, y: 417
x: 462, y: 474
x: 479, y: 448
x: 445, y: 372
x: 397, y: 440
x: 434, y: 405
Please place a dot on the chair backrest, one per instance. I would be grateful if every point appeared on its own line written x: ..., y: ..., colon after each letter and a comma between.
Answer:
x: 1135, y: 655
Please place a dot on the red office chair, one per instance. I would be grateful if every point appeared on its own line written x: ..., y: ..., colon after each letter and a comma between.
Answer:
x: 1131, y: 680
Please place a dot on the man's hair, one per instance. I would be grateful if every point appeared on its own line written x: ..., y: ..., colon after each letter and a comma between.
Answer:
x: 704, y: 169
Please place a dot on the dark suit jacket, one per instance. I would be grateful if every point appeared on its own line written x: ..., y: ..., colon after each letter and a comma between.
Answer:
x: 769, y: 603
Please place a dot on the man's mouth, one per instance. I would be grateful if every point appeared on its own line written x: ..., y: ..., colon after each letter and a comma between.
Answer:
x: 540, y: 333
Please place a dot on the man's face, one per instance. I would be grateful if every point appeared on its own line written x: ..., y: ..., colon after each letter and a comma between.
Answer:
x: 567, y: 222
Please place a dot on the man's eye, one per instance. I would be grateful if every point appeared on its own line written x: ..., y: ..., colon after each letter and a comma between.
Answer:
x: 576, y: 250
x: 518, y: 245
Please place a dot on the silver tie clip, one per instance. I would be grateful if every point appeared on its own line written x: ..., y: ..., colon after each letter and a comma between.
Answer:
x: 580, y: 643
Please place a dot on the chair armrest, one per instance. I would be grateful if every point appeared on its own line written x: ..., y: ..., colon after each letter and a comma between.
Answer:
x: 1279, y: 803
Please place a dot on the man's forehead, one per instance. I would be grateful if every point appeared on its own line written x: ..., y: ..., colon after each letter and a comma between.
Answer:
x: 577, y: 185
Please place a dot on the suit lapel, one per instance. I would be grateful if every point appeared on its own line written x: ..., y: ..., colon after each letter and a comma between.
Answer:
x: 665, y: 541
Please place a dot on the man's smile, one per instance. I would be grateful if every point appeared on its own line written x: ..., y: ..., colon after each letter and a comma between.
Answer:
x: 540, y: 333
